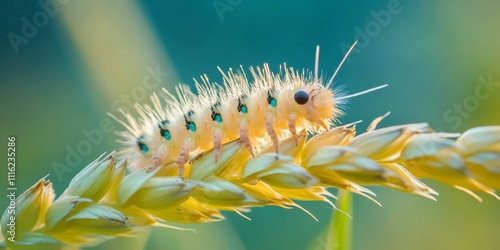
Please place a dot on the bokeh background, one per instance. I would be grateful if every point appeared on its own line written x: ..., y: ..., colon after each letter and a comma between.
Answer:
x: 87, y: 58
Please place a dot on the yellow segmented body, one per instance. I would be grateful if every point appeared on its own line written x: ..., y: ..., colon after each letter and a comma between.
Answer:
x: 262, y: 110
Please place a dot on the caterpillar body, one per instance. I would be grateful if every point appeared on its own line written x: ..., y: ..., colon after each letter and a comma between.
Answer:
x: 270, y: 107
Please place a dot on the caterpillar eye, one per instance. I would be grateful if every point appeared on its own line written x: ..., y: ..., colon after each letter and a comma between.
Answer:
x: 301, y: 96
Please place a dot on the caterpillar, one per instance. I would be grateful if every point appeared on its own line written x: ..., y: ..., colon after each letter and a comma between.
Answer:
x: 260, y: 111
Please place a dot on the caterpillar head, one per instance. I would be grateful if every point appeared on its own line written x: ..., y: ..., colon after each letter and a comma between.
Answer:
x: 316, y: 104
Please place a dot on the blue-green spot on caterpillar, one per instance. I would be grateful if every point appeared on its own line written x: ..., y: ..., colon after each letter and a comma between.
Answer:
x: 242, y: 107
x: 216, y: 116
x: 165, y: 133
x: 271, y: 100
x: 143, y: 147
x: 190, y: 125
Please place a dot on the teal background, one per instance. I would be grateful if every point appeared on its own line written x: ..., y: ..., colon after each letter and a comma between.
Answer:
x: 431, y: 54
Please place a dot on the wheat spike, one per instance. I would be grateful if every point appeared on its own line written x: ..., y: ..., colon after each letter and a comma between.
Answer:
x: 106, y: 200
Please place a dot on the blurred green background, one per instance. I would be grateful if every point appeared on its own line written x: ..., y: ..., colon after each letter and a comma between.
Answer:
x: 82, y: 59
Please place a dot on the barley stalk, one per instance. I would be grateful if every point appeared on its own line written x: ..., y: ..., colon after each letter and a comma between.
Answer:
x: 104, y: 200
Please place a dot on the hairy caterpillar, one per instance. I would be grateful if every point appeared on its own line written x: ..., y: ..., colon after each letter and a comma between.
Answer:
x: 268, y: 108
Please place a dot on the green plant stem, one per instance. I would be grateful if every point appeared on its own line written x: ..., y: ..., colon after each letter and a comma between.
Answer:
x: 341, y: 224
